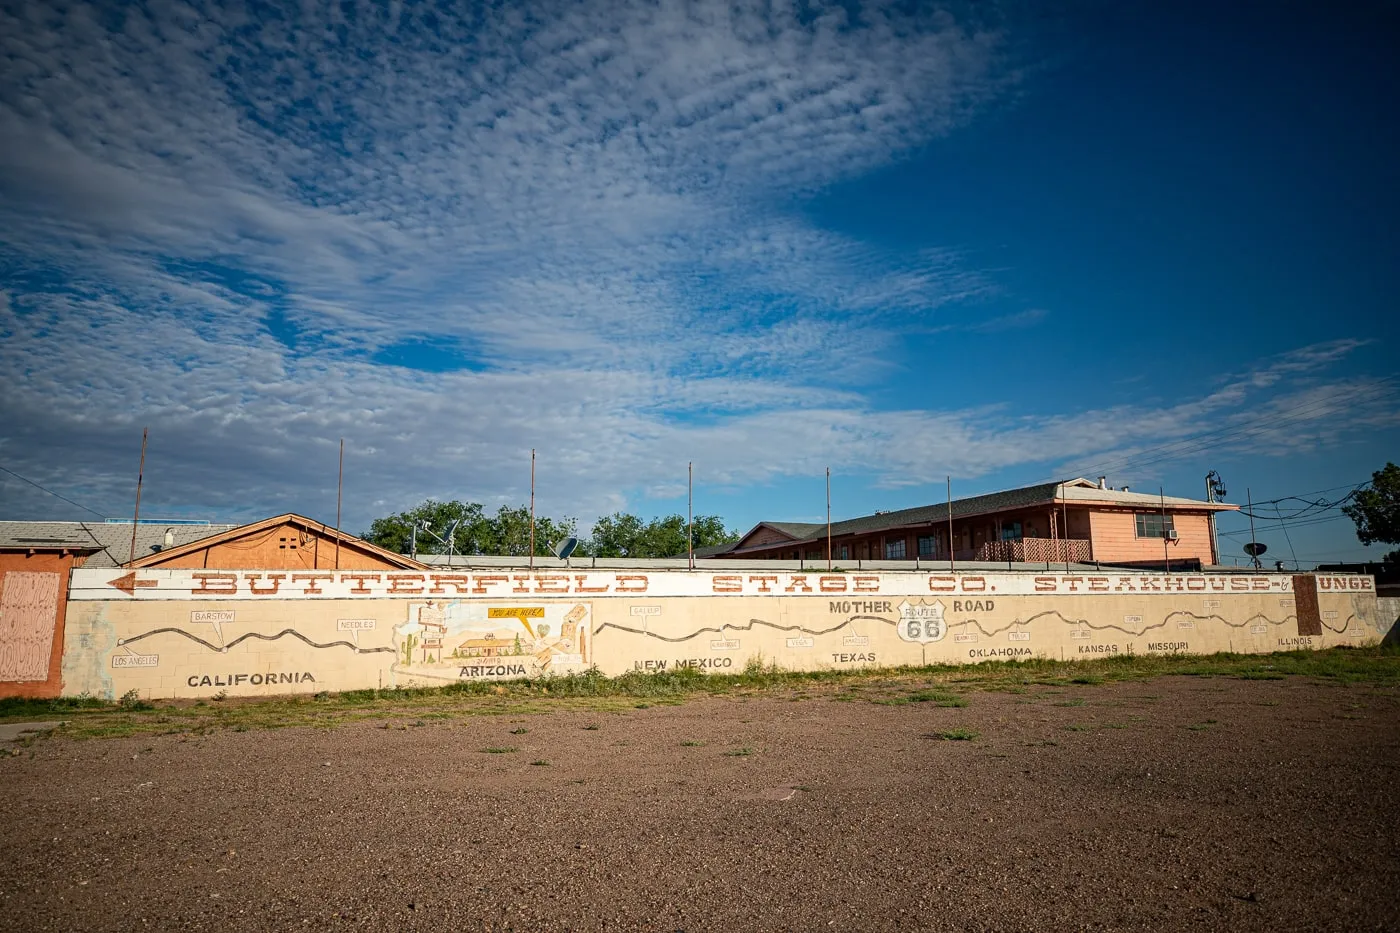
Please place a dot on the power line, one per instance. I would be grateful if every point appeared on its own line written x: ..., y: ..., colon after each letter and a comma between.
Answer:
x: 52, y: 493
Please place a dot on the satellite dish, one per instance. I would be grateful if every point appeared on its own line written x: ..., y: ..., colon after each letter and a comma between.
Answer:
x: 1255, y: 548
x: 564, y: 548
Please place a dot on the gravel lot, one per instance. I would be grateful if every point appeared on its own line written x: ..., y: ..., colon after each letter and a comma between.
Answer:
x: 1167, y: 804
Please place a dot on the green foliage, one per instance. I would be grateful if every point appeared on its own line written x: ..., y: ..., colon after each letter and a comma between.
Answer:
x: 624, y: 535
x: 956, y: 735
x: 131, y: 701
x: 467, y: 529
x: 1376, y: 511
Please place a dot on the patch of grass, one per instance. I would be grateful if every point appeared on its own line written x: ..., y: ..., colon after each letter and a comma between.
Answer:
x: 541, y: 763
x: 1078, y: 727
x: 936, y: 697
x: 691, y: 743
x: 131, y: 702
x: 739, y: 752
x: 520, y: 730
x: 956, y: 735
x: 90, y: 717
x: 592, y: 727
x: 499, y: 749
x: 1077, y: 701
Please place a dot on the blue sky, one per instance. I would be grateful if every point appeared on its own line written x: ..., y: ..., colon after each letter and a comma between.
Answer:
x: 1000, y: 243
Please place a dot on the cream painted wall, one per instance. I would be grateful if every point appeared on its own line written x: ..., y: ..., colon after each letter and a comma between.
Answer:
x: 162, y: 642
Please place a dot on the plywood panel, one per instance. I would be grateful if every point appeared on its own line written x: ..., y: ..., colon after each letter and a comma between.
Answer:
x: 28, y: 614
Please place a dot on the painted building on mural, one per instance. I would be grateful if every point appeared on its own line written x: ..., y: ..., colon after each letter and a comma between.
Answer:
x: 1076, y: 521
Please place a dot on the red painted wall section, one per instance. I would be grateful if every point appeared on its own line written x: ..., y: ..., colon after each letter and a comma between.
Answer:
x: 33, y: 600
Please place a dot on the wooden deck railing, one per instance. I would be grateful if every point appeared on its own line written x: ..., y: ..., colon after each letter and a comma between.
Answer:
x: 1034, y: 550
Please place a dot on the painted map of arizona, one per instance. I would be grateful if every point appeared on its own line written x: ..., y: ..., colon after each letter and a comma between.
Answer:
x: 452, y: 640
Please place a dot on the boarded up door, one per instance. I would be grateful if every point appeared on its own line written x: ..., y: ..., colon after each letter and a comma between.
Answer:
x: 28, y: 614
x: 1305, y: 599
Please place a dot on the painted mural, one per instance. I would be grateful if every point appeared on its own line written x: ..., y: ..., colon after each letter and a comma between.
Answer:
x: 456, y: 639
x: 153, y: 632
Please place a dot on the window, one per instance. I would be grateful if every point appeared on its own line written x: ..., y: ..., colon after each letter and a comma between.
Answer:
x: 1011, y: 531
x: 894, y: 550
x: 845, y: 552
x: 1154, y: 525
x: 928, y: 545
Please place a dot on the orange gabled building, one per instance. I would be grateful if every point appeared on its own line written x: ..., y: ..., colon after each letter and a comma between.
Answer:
x: 283, y: 542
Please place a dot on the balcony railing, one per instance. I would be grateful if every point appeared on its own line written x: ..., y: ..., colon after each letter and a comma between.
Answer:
x: 1032, y: 550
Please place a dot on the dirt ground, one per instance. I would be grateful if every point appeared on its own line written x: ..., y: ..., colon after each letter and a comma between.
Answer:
x: 1175, y: 803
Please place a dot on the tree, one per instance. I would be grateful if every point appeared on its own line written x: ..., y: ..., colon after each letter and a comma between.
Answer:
x: 625, y: 535
x: 468, y: 529
x: 1376, y: 511
x: 468, y: 536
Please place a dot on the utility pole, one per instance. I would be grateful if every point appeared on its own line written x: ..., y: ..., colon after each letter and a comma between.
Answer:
x: 950, y: 522
x: 828, y: 519
x: 1249, y: 499
x: 140, y: 474
x: 1166, y: 552
x: 339, y: 484
x: 532, y: 508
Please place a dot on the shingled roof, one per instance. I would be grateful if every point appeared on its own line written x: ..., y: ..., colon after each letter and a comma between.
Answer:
x: 1078, y: 490
x: 112, y: 540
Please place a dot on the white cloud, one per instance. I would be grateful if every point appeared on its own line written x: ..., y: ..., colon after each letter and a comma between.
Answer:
x: 591, y: 201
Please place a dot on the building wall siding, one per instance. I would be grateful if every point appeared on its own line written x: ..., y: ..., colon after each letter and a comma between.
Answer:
x: 285, y: 547
x: 1114, y: 537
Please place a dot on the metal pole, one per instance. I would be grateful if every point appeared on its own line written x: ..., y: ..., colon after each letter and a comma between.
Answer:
x: 1064, y: 513
x: 339, y: 484
x: 1166, y: 554
x: 140, y: 474
x: 1249, y: 498
x: 690, y: 511
x: 950, y: 523
x: 828, y: 519
x: 1210, y: 520
x: 532, y: 508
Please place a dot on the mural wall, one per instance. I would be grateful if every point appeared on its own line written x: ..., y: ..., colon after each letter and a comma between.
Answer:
x: 188, y: 633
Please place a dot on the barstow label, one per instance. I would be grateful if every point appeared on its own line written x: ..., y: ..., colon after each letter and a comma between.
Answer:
x: 493, y: 670
x: 999, y: 652
x: 253, y: 680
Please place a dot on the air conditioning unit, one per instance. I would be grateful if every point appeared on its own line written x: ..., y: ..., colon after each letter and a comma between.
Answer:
x: 1172, y: 535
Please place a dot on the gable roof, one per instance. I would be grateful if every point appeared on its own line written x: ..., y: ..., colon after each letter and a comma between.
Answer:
x: 110, y: 542
x: 234, y: 532
x: 792, y: 531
